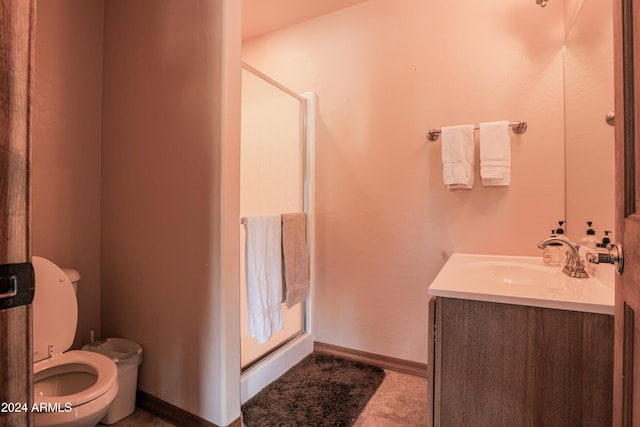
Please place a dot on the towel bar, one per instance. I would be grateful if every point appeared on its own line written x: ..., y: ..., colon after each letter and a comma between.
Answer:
x: 243, y: 221
x: 518, y: 127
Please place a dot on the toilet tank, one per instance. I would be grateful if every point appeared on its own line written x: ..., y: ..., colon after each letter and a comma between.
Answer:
x: 74, y: 277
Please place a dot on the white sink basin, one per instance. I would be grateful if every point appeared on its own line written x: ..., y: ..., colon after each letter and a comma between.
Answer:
x: 510, y: 272
x: 523, y: 281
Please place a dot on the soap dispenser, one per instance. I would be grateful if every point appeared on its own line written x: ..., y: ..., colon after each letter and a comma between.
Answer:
x: 552, y: 254
x: 562, y: 251
x: 606, y: 241
x: 589, y: 242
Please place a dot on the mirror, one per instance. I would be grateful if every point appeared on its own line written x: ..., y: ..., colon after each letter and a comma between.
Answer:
x: 589, y: 139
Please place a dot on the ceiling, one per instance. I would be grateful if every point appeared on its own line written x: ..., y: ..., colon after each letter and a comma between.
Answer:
x: 262, y: 16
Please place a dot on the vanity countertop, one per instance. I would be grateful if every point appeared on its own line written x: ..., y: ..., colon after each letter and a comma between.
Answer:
x: 523, y: 280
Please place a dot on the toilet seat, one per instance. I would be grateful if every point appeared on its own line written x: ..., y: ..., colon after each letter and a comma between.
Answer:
x: 71, y: 362
x: 70, y: 388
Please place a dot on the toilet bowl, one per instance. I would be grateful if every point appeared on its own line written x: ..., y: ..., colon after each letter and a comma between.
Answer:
x: 71, y: 388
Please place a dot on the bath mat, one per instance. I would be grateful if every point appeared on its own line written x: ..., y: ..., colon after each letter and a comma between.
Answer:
x: 321, y: 390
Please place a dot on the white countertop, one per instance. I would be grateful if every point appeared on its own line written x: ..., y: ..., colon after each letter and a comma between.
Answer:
x: 523, y: 280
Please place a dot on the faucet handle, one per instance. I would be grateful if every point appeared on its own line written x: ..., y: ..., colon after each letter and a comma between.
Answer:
x: 608, y: 256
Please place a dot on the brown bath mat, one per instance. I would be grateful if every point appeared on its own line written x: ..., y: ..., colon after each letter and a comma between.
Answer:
x: 321, y: 390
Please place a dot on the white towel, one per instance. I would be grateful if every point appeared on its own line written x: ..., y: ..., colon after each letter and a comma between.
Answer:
x: 295, y: 258
x: 495, y: 153
x: 458, y: 156
x: 264, y: 276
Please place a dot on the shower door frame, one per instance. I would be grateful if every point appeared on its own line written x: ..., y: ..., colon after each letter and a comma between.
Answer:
x: 280, y: 359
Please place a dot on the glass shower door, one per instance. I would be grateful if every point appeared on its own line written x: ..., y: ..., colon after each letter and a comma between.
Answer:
x: 272, y: 182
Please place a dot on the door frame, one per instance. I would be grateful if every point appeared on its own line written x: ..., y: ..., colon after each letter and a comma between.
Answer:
x: 17, y: 41
x: 626, y: 393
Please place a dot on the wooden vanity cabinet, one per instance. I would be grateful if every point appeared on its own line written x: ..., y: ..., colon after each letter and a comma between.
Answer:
x: 510, y: 365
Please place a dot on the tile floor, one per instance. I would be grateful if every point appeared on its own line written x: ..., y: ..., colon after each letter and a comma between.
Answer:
x: 141, y: 418
x: 400, y: 401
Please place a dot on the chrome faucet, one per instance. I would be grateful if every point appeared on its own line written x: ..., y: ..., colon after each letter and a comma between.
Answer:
x: 574, y: 265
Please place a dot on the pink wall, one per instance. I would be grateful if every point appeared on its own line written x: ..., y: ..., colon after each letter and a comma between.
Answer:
x: 170, y: 197
x: 385, y: 72
x: 162, y: 181
x: 67, y: 131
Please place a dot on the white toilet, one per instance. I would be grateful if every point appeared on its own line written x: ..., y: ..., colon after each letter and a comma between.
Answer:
x: 70, y: 388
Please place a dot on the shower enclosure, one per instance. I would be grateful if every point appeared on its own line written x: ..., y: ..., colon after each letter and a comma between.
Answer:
x: 275, y: 177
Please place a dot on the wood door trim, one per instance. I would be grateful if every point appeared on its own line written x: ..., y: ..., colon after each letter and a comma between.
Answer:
x: 627, y: 97
x: 17, y: 21
x: 626, y: 128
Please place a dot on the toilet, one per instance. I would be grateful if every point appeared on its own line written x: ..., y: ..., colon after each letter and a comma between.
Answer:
x: 70, y: 388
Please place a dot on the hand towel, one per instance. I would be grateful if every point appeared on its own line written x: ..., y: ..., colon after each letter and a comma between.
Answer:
x: 295, y: 258
x: 458, y: 156
x: 495, y: 153
x: 264, y: 275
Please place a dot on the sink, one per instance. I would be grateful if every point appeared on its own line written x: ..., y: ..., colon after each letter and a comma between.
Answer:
x: 523, y: 280
x: 509, y: 272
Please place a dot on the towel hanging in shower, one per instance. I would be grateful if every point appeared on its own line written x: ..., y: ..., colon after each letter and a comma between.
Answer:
x: 295, y: 258
x: 264, y: 275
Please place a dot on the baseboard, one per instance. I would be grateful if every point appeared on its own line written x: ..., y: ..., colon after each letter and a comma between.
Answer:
x: 172, y: 413
x: 385, y: 362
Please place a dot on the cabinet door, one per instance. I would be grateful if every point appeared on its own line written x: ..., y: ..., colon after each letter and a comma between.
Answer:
x: 508, y: 365
x: 431, y: 358
x: 485, y: 364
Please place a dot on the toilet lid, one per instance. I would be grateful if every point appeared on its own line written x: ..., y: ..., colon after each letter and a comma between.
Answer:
x: 55, y: 310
